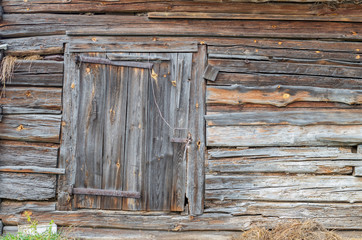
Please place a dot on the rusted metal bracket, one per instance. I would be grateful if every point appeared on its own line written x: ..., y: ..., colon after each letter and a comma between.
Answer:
x: 83, y: 59
x: 103, y: 192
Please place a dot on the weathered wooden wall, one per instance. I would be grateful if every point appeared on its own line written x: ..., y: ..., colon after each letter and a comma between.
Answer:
x: 283, y: 112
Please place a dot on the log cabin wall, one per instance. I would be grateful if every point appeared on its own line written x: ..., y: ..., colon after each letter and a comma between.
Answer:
x: 282, y: 104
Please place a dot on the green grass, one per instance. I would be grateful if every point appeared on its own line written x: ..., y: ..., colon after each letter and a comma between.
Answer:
x: 34, y: 235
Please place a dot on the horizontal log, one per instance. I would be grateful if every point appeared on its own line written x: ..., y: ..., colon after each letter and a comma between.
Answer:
x: 299, y: 118
x: 248, y: 6
x: 229, y: 28
x: 14, y: 153
x: 279, y: 95
x: 88, y: 233
x: 14, y: 207
x: 237, y: 66
x: 283, y: 165
x: 104, y: 44
x: 27, y: 186
x: 285, y: 209
x: 238, y: 16
x: 272, y: 52
x: 302, y: 188
x: 287, y: 135
x: 170, y: 223
x: 286, y: 152
x: 31, y: 100
x: 38, y: 67
x: 33, y: 128
x: 262, y: 79
x: 345, y: 139
x: 30, y: 169
x: 39, y: 45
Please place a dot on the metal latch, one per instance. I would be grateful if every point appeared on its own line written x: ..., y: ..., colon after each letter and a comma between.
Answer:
x: 103, y: 192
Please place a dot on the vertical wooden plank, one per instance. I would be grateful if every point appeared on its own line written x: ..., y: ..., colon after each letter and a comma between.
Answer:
x: 89, y: 149
x: 180, y: 109
x: 67, y: 150
x: 196, y: 154
x: 114, y: 134
x: 159, y: 156
x: 135, y: 147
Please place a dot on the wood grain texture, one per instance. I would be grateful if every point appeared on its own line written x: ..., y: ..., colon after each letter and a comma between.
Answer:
x: 33, y: 128
x: 9, y: 207
x: 14, y: 153
x: 114, y: 133
x: 279, y: 95
x: 284, y: 209
x: 227, y: 65
x: 265, y: 79
x: 37, y: 73
x: 31, y: 100
x: 27, y: 169
x: 27, y: 186
x: 90, y: 130
x: 306, y: 9
x: 111, y: 44
x: 299, y: 118
x: 238, y: 16
x: 285, y: 152
x: 300, y: 188
x: 171, y: 223
x: 320, y: 51
x: 252, y: 136
x: 231, y: 28
x: 41, y: 45
x: 196, y: 154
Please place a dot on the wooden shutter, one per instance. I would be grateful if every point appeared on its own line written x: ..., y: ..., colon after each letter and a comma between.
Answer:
x: 123, y: 139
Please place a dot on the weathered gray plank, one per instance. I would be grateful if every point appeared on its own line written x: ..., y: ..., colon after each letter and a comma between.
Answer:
x: 158, y: 175
x: 238, y: 16
x: 285, y: 209
x: 272, y: 52
x: 226, y: 65
x: 127, y: 57
x: 39, y: 45
x: 37, y: 73
x: 31, y: 169
x: 114, y: 134
x: 14, y: 153
x: 302, y: 188
x: 135, y: 142
x: 245, y: 136
x: 68, y: 151
x: 211, y: 73
x: 286, y: 118
x: 196, y: 151
x: 282, y: 152
x: 31, y: 100
x: 109, y: 44
x: 89, y: 145
x: 283, y: 165
x: 27, y: 186
x: 259, y: 79
x: 280, y: 95
x: 33, y: 128
x: 179, y: 106
x: 358, y: 171
x: 14, y: 207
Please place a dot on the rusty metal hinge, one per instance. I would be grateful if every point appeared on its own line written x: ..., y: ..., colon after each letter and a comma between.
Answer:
x: 103, y: 192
